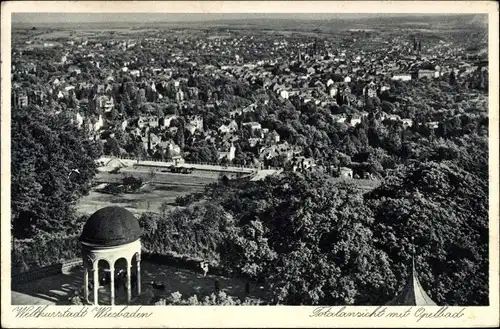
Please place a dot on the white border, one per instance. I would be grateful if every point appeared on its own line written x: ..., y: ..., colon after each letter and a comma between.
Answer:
x: 276, y: 316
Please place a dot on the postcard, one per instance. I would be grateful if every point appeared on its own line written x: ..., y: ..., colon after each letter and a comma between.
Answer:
x: 257, y: 164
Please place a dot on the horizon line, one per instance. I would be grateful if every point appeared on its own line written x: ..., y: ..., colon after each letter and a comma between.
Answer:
x: 134, y: 18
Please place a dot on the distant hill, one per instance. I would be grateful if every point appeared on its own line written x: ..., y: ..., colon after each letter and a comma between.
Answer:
x: 309, y: 22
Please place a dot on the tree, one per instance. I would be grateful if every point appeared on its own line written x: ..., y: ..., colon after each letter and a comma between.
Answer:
x: 45, y: 149
x: 304, y: 235
x: 445, y: 209
x: 111, y: 147
x: 453, y: 79
x: 179, y: 137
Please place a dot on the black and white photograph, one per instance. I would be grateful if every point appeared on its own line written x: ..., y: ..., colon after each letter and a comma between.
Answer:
x: 249, y: 159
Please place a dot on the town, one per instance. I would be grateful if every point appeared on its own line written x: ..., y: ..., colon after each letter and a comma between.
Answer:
x: 213, y: 97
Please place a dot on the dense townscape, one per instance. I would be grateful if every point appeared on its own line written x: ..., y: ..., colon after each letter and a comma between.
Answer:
x: 397, y: 109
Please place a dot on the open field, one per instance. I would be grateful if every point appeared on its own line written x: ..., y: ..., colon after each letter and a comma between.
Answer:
x: 149, y: 198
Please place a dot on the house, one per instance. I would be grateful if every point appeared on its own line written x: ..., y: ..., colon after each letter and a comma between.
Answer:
x: 384, y: 88
x: 393, y: 117
x: 234, y: 113
x: 193, y: 92
x: 173, y: 149
x: 371, y: 90
x: 22, y: 100
x: 78, y: 120
x: 302, y: 163
x: 346, y: 172
x: 355, y: 121
x: 401, y: 77
x: 227, y: 152
x: 407, y: 122
x: 284, y: 149
x: 105, y: 103
x: 283, y: 94
x: 135, y: 73
x: 274, y: 137
x: 339, y: 119
x: 252, y: 125
x: 147, y: 121
x: 197, y: 122
x: 333, y: 91
x: 253, y: 141
x: 429, y: 74
x: 99, y: 124
x: 179, y: 96
x: 191, y: 128
x: 166, y: 120
x: 223, y: 129
x: 151, y: 141
x: 432, y: 124
x: 231, y: 127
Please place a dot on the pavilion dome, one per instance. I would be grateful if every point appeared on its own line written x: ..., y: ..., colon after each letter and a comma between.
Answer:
x: 111, y: 226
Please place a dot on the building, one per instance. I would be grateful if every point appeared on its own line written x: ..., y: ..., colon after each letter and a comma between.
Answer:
x: 22, y: 100
x: 165, y: 121
x: 179, y: 96
x: 111, y: 252
x: 302, y: 163
x: 105, y: 103
x: 228, y: 153
x: 355, y: 121
x: 333, y: 91
x: 432, y: 124
x: 371, y: 90
x: 252, y: 125
x: 283, y: 94
x: 345, y: 172
x: 274, y: 137
x: 78, y: 120
x: 412, y: 293
x: 148, y: 121
x: 429, y: 74
x: 401, y: 77
x: 197, y: 122
x: 407, y: 123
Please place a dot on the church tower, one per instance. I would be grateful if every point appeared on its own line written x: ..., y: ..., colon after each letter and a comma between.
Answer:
x: 412, y: 294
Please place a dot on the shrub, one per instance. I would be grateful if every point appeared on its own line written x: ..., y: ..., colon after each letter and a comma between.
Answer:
x: 219, y: 299
x: 46, y: 249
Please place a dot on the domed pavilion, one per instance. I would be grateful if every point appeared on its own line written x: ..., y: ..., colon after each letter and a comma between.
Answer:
x: 111, y: 251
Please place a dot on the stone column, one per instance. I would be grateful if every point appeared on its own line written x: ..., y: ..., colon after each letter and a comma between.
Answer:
x: 112, y: 285
x: 96, y: 283
x: 86, y: 283
x: 138, y: 275
x: 129, y: 290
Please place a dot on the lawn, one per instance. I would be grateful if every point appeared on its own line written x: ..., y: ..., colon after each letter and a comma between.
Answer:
x: 149, y: 198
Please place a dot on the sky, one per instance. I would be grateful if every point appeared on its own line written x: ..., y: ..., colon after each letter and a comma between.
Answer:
x: 175, y: 17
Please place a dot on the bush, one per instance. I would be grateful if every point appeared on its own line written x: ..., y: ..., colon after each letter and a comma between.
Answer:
x: 219, y: 299
x: 45, y: 249
x: 195, y: 231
